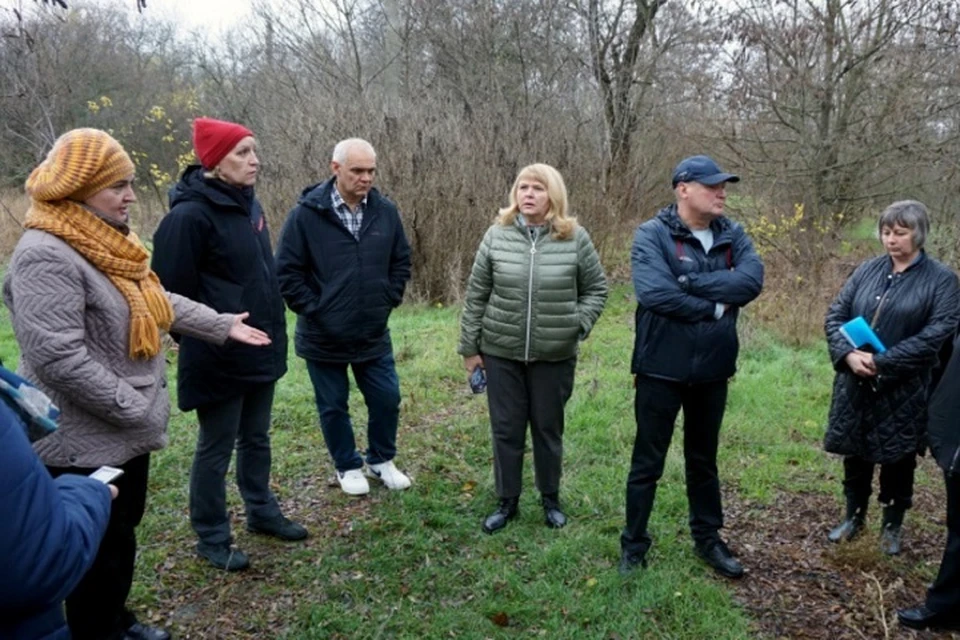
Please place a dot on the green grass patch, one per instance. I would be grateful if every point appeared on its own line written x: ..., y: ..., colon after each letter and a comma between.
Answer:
x: 416, y: 564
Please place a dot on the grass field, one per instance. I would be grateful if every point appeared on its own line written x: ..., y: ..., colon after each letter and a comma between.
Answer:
x: 415, y: 564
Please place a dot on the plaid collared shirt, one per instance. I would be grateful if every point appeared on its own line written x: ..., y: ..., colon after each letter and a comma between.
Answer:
x: 350, y: 219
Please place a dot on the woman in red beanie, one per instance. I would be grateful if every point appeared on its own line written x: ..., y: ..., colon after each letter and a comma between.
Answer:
x: 214, y: 246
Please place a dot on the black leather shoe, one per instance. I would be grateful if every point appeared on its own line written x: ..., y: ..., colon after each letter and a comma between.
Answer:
x: 139, y: 631
x: 506, y: 511
x: 630, y: 562
x: 717, y: 555
x: 279, y: 527
x: 922, y: 618
x: 553, y: 516
x: 222, y: 556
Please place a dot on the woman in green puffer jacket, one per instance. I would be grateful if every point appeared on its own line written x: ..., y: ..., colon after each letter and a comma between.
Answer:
x: 535, y: 291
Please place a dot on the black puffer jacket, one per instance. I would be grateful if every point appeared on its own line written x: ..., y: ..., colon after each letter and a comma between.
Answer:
x: 943, y: 428
x: 342, y: 288
x: 884, y: 419
x: 214, y: 247
x: 678, y: 287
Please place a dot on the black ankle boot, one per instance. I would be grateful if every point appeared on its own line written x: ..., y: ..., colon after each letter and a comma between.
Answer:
x: 852, y: 525
x: 552, y: 514
x: 891, y: 534
x: 506, y: 511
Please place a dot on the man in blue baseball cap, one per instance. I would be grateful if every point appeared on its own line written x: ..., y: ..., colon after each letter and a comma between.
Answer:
x: 693, y: 269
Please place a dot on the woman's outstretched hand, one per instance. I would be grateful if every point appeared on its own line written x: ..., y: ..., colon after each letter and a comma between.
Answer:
x: 245, y: 333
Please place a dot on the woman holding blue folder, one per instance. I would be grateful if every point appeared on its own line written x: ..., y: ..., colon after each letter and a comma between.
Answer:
x: 879, y: 409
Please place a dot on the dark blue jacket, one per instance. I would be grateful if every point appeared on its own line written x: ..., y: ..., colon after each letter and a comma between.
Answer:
x: 678, y: 287
x: 214, y: 247
x: 49, y: 536
x: 342, y: 289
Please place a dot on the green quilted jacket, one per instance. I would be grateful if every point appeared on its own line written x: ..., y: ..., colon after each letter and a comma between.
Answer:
x: 531, y: 299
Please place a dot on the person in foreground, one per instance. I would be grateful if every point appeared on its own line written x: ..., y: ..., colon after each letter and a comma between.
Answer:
x: 343, y: 262
x: 214, y: 247
x: 878, y: 413
x: 941, y: 609
x: 50, y: 533
x: 535, y: 291
x: 693, y: 269
x: 87, y: 312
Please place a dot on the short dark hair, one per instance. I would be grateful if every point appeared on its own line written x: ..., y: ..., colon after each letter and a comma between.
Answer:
x: 910, y: 214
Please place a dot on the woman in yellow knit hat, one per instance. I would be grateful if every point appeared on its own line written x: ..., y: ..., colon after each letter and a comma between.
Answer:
x: 87, y: 312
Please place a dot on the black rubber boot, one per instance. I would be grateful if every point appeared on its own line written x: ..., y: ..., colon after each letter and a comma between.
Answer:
x: 506, y: 511
x: 891, y: 534
x: 852, y: 525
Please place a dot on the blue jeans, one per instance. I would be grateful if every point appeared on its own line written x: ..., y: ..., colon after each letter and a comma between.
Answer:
x: 380, y: 386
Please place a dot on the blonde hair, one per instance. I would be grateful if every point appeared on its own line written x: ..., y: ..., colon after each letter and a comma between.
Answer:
x: 562, y: 225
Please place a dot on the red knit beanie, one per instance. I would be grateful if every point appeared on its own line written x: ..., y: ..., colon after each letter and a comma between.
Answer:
x: 214, y: 139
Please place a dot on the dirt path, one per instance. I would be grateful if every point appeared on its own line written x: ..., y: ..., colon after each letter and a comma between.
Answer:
x: 800, y: 586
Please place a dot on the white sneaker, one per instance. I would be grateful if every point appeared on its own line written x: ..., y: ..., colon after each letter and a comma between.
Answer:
x: 389, y: 475
x: 352, y: 482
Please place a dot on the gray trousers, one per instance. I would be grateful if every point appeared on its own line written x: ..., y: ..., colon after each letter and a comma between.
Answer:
x: 519, y: 393
x: 243, y: 420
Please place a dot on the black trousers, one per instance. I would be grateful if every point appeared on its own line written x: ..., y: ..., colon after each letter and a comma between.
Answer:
x: 244, y: 421
x: 944, y: 594
x: 657, y: 403
x: 527, y: 392
x: 896, y: 480
x: 96, y: 610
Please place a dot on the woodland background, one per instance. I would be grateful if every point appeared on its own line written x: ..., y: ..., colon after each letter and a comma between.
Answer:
x: 829, y: 109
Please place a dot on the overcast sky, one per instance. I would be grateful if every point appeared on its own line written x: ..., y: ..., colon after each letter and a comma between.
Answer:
x: 214, y: 15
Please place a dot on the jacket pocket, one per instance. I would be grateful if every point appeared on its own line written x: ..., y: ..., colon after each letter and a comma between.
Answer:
x: 131, y: 398
x: 392, y: 299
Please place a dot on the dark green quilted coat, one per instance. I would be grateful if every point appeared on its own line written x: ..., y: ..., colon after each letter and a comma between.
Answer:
x: 531, y: 299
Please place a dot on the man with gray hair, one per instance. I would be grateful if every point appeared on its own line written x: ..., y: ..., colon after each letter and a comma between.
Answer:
x: 343, y: 262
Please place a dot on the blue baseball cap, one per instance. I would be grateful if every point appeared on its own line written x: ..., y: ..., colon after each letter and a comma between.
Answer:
x: 701, y: 169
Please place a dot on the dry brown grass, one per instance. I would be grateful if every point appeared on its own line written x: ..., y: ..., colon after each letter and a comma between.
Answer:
x: 14, y: 203
x: 13, y: 206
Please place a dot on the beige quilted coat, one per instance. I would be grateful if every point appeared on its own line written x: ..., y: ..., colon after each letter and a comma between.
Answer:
x: 73, y: 326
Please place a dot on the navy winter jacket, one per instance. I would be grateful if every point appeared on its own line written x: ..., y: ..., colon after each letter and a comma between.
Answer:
x: 341, y: 288
x: 49, y: 536
x: 678, y: 287
x: 214, y: 247
x: 884, y: 419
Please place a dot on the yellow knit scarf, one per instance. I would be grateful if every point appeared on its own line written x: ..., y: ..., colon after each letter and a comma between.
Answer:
x: 123, y: 259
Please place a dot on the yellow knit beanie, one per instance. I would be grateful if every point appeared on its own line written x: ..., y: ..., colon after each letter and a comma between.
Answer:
x: 81, y: 163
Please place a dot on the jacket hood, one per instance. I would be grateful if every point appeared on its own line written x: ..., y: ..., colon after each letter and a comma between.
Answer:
x: 317, y: 196
x: 670, y: 217
x: 194, y: 187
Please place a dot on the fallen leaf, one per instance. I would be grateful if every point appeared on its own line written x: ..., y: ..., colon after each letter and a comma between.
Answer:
x: 500, y: 619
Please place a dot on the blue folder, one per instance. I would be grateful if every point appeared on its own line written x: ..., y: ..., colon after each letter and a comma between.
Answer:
x: 859, y: 334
